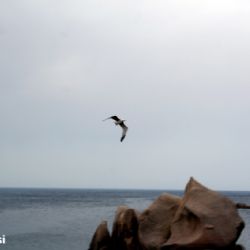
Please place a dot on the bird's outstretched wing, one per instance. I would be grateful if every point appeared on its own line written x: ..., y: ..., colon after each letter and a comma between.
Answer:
x: 124, y: 130
x: 114, y: 117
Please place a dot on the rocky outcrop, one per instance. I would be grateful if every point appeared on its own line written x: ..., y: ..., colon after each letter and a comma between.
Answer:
x: 125, y: 230
x: 204, y: 219
x: 101, y: 239
x: 155, y: 222
x: 201, y: 219
x: 242, y: 206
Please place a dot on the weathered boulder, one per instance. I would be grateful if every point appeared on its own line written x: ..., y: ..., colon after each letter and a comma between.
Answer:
x: 125, y: 230
x: 204, y: 220
x: 155, y: 221
x: 101, y: 239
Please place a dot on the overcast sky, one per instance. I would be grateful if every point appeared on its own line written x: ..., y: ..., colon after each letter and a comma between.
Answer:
x: 178, y: 71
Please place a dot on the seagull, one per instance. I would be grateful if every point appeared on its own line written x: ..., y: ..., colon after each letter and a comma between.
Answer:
x: 120, y: 122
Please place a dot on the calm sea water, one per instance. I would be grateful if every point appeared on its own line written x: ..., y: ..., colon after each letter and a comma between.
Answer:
x: 59, y: 219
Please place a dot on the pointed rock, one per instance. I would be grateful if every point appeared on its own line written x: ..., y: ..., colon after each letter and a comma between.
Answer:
x: 205, y: 219
x: 101, y: 239
x: 125, y: 230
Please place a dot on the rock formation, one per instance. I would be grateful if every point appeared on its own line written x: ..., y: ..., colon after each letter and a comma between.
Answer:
x: 155, y: 222
x: 201, y: 219
x: 101, y: 239
x: 204, y: 219
x: 125, y: 230
x: 242, y: 206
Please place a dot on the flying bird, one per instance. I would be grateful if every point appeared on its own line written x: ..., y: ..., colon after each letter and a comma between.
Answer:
x: 120, y: 122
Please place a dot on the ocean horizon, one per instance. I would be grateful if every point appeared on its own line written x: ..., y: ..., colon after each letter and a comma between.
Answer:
x: 66, y: 218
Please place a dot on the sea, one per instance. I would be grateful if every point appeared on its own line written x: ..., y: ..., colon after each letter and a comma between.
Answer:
x: 66, y: 219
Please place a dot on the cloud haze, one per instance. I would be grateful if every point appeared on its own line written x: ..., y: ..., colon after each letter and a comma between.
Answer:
x: 177, y: 71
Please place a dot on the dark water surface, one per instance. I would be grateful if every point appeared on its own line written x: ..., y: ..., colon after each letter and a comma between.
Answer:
x: 63, y: 219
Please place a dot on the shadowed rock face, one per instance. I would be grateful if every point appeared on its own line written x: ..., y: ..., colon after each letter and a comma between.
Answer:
x: 204, y: 219
x: 154, y: 222
x: 101, y: 239
x: 235, y: 247
x: 125, y: 230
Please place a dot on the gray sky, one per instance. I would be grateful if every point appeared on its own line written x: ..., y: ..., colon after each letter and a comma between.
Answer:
x: 177, y: 71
